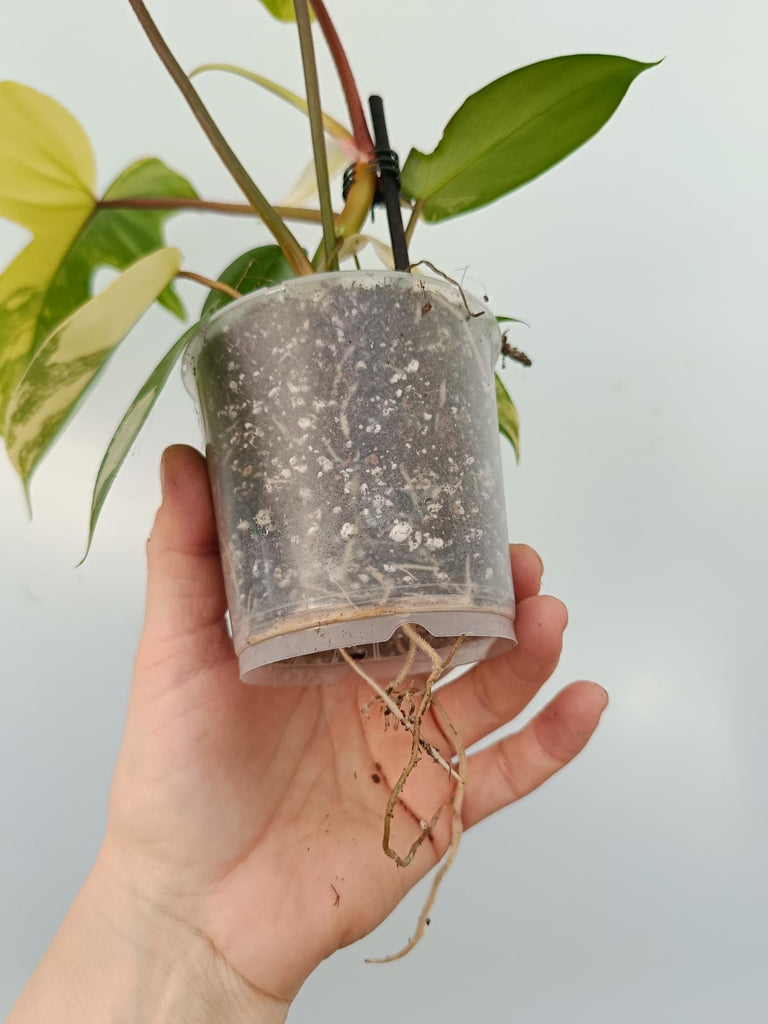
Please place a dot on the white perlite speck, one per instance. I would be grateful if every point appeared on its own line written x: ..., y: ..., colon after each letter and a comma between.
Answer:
x: 413, y: 366
x: 305, y: 423
x: 348, y: 530
x: 400, y: 531
x: 263, y: 517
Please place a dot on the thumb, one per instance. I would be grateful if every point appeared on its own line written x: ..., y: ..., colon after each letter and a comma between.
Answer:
x: 186, y: 601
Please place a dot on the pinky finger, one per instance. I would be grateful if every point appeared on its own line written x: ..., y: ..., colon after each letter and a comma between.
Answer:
x: 518, y: 764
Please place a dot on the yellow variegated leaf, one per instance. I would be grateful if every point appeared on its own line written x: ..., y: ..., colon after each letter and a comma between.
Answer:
x: 47, y: 182
x: 68, y: 360
x: 331, y: 127
x: 129, y: 428
x: 509, y: 422
x: 282, y: 9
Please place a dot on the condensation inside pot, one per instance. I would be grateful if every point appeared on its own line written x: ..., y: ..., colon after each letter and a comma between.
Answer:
x: 353, y: 446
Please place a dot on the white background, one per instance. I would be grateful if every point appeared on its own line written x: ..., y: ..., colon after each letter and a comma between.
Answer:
x: 631, y: 888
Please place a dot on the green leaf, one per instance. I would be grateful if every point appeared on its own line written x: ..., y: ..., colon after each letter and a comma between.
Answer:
x: 257, y: 268
x: 47, y: 181
x: 511, y: 320
x: 68, y: 360
x: 509, y: 423
x: 516, y: 128
x: 129, y: 429
x: 281, y: 9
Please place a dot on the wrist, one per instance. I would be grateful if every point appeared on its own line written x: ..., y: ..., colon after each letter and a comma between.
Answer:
x: 119, y: 959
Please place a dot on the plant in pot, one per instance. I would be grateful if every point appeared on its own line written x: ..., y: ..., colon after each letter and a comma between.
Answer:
x: 351, y: 415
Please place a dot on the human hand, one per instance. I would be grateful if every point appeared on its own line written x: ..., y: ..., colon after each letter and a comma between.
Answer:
x: 250, y: 816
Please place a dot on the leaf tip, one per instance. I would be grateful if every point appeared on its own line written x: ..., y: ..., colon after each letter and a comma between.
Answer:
x: 27, y: 498
x: 87, y: 547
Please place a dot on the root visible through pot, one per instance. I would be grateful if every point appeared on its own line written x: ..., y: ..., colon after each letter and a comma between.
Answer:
x: 400, y: 704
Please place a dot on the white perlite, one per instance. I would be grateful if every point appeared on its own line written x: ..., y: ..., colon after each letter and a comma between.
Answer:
x: 400, y: 531
x: 348, y: 530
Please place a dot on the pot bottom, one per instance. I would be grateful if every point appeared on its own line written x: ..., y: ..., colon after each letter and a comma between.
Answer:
x: 311, y: 654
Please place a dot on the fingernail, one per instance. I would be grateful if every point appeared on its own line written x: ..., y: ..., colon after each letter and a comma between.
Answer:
x: 541, y: 566
x: 162, y: 472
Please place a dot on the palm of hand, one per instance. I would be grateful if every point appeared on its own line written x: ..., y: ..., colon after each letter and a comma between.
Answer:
x: 255, y: 811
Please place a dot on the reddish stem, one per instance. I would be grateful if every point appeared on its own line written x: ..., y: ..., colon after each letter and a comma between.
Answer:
x: 362, y: 135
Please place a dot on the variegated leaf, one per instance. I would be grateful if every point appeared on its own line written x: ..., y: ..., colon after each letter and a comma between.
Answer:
x: 47, y: 183
x: 509, y: 423
x: 282, y: 9
x: 356, y: 243
x: 331, y: 127
x: 306, y: 187
x: 129, y: 429
x: 67, y: 361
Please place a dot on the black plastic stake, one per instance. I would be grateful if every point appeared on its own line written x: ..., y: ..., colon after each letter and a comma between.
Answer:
x: 387, y: 169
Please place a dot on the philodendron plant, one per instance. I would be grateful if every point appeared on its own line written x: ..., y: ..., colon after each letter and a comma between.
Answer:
x: 351, y: 416
x: 55, y: 336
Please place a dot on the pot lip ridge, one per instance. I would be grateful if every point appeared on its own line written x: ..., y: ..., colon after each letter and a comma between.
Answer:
x: 200, y: 332
x: 261, y: 294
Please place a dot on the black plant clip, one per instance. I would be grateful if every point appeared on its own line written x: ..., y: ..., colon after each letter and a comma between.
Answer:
x: 347, y: 181
x: 383, y: 160
x: 388, y: 173
x: 386, y: 166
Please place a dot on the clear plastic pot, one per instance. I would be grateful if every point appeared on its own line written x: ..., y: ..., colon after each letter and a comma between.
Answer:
x: 353, y: 447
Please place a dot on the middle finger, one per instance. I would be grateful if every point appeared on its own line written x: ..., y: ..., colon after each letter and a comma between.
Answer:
x: 495, y: 691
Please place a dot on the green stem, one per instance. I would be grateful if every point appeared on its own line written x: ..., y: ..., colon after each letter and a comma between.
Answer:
x: 218, y: 286
x: 363, y: 138
x: 283, y: 236
x: 413, y: 220
x: 315, y: 111
x: 168, y: 203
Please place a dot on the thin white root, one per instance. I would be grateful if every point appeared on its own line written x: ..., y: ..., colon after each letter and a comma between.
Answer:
x: 457, y: 829
x: 412, y: 721
x: 386, y: 699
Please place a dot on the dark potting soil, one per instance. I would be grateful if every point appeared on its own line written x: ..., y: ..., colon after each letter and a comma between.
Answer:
x: 354, y: 452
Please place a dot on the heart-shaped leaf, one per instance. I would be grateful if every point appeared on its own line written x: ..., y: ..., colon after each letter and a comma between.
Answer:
x: 47, y: 184
x: 65, y: 364
x: 257, y: 268
x: 509, y: 423
x: 129, y: 429
x: 516, y: 128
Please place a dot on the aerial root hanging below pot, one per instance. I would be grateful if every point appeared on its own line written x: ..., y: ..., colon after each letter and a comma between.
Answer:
x: 400, y: 703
